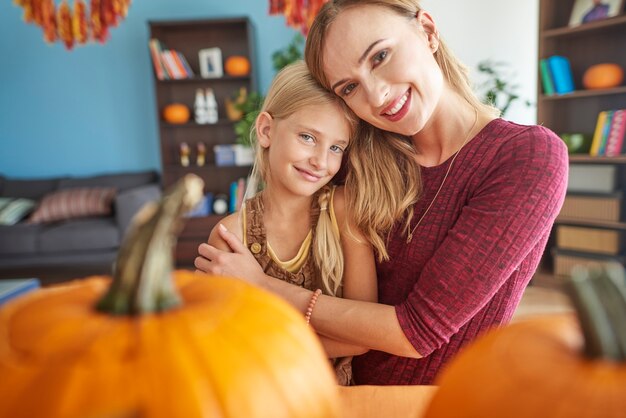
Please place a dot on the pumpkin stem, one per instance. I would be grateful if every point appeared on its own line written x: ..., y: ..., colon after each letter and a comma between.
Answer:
x: 599, y: 297
x: 142, y: 278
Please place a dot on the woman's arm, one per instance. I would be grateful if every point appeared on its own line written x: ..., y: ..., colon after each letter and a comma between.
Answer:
x: 364, y: 324
x: 479, y: 271
x: 334, y: 348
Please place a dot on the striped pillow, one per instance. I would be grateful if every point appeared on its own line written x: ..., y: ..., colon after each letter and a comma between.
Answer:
x: 74, y: 203
x: 13, y: 210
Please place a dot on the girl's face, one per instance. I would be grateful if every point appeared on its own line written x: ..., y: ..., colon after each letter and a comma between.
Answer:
x: 305, y: 149
x: 382, y: 65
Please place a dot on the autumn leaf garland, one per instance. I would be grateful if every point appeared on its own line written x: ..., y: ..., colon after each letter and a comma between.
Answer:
x: 77, y: 25
x: 298, y: 13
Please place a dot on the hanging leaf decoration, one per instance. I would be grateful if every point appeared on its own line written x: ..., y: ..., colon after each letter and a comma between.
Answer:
x: 298, y: 13
x: 79, y: 23
x: 64, y: 25
x: 75, y: 25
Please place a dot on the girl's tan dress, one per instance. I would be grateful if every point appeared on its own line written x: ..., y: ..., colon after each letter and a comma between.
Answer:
x: 300, y: 270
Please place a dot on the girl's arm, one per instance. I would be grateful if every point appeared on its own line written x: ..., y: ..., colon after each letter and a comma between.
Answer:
x: 233, y: 224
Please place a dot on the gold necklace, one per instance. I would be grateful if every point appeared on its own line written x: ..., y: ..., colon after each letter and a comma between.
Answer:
x: 469, y: 133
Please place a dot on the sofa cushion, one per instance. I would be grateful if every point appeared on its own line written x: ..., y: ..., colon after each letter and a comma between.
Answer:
x: 74, y: 203
x: 18, y: 239
x: 13, y: 210
x: 79, y: 235
x: 30, y: 189
x: 121, y: 182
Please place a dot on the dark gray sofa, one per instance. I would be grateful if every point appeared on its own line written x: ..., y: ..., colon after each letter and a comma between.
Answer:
x: 77, y: 246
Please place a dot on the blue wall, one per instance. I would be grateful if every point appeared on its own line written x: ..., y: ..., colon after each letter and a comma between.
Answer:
x: 91, y: 110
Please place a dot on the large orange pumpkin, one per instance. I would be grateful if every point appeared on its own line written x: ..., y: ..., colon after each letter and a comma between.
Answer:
x: 603, y: 76
x: 237, y: 65
x: 545, y: 367
x: 176, y: 113
x: 194, y: 346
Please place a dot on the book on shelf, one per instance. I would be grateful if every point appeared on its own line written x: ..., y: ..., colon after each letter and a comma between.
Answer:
x: 237, y: 191
x: 561, y: 72
x: 546, y: 77
x: 605, y: 133
x: 593, y: 178
x: 608, y: 137
x: 592, y: 208
x: 589, y: 239
x: 168, y: 63
x: 615, y: 135
x: 175, y: 71
x: 565, y: 261
x: 597, y: 134
x: 155, y: 54
x: 185, y: 64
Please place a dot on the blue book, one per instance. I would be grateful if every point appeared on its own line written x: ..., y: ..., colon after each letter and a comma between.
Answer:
x: 561, y: 74
x: 232, y: 206
x: 12, y: 288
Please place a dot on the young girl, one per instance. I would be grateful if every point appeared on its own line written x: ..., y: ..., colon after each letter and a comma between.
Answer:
x: 292, y: 226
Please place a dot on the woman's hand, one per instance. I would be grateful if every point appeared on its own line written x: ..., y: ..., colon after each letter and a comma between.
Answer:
x: 239, y: 263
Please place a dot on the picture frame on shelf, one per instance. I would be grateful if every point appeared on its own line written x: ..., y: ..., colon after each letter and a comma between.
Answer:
x: 211, y: 63
x: 585, y: 11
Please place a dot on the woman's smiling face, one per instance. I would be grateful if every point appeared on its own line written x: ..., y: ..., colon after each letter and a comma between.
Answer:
x: 382, y: 65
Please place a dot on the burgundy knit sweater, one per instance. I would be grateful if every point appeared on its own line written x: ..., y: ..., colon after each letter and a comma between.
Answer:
x: 474, y: 252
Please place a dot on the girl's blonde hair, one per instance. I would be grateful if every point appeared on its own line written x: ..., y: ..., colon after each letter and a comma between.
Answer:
x: 383, y: 167
x: 293, y: 89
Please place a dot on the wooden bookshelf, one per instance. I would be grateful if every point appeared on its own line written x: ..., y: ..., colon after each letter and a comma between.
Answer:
x: 234, y: 36
x: 584, y: 45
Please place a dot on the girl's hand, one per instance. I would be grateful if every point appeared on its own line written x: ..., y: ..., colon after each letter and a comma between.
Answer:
x: 239, y: 263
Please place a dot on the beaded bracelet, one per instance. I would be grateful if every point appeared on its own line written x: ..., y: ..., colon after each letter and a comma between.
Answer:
x: 309, y: 309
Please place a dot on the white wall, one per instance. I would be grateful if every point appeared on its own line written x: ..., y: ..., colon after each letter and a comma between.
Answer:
x: 502, y: 30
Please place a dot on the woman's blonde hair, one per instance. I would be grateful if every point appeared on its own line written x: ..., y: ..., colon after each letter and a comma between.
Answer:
x: 384, y: 174
x: 293, y: 89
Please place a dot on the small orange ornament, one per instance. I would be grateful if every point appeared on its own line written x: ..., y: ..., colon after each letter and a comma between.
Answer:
x: 176, y: 113
x: 603, y: 76
x: 237, y: 65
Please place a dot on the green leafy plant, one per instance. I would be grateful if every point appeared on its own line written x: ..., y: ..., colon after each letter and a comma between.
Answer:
x: 289, y: 54
x: 250, y: 109
x: 498, y: 89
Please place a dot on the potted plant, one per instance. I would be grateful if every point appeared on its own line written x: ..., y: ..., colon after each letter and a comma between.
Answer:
x: 497, y: 89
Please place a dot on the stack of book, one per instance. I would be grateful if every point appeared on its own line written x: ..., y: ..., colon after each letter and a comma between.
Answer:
x: 169, y: 64
x: 588, y: 231
x: 556, y: 75
x: 608, y: 138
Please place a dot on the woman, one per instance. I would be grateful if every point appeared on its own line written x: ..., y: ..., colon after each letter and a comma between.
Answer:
x: 457, y: 259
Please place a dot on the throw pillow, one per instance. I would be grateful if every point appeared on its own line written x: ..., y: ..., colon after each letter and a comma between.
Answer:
x: 74, y: 203
x: 13, y: 210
